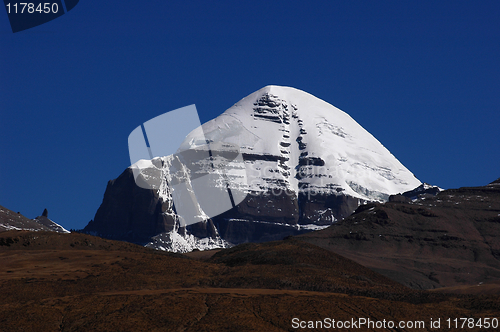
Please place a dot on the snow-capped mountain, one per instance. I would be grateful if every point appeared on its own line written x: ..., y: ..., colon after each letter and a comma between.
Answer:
x: 312, y: 147
x: 304, y: 164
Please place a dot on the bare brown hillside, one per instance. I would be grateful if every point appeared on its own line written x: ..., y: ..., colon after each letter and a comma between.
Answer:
x: 77, y: 282
x: 450, y: 240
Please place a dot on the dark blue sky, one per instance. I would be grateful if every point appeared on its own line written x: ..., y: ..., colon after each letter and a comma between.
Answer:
x: 423, y: 77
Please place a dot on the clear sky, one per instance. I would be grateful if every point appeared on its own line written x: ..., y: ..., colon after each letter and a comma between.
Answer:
x: 422, y: 76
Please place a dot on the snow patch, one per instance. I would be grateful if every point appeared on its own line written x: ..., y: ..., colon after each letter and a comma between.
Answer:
x: 175, y: 242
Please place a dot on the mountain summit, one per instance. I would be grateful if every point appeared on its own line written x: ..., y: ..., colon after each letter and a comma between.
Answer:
x: 319, y: 147
x: 305, y: 165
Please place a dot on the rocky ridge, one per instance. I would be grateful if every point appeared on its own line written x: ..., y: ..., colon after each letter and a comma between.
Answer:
x: 446, y: 240
x: 10, y: 220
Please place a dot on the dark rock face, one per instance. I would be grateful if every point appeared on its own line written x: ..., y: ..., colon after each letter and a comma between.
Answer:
x: 422, y: 191
x: 203, y: 229
x: 399, y: 199
x: 129, y: 212
x: 133, y: 214
x: 279, y: 207
x: 241, y: 231
x: 326, y: 209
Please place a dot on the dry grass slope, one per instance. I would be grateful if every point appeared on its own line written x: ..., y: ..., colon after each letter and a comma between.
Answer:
x: 76, y: 282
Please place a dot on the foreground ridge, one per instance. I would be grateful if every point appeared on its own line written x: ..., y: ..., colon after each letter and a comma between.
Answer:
x: 80, y: 282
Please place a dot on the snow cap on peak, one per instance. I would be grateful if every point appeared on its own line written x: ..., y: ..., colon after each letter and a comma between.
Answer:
x: 315, y: 144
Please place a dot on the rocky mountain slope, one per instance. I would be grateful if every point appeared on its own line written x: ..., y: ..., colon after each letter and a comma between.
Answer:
x: 10, y: 220
x: 304, y: 165
x: 447, y: 240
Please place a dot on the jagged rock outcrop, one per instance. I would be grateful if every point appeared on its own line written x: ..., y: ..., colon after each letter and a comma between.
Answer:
x: 423, y: 191
x: 10, y: 220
